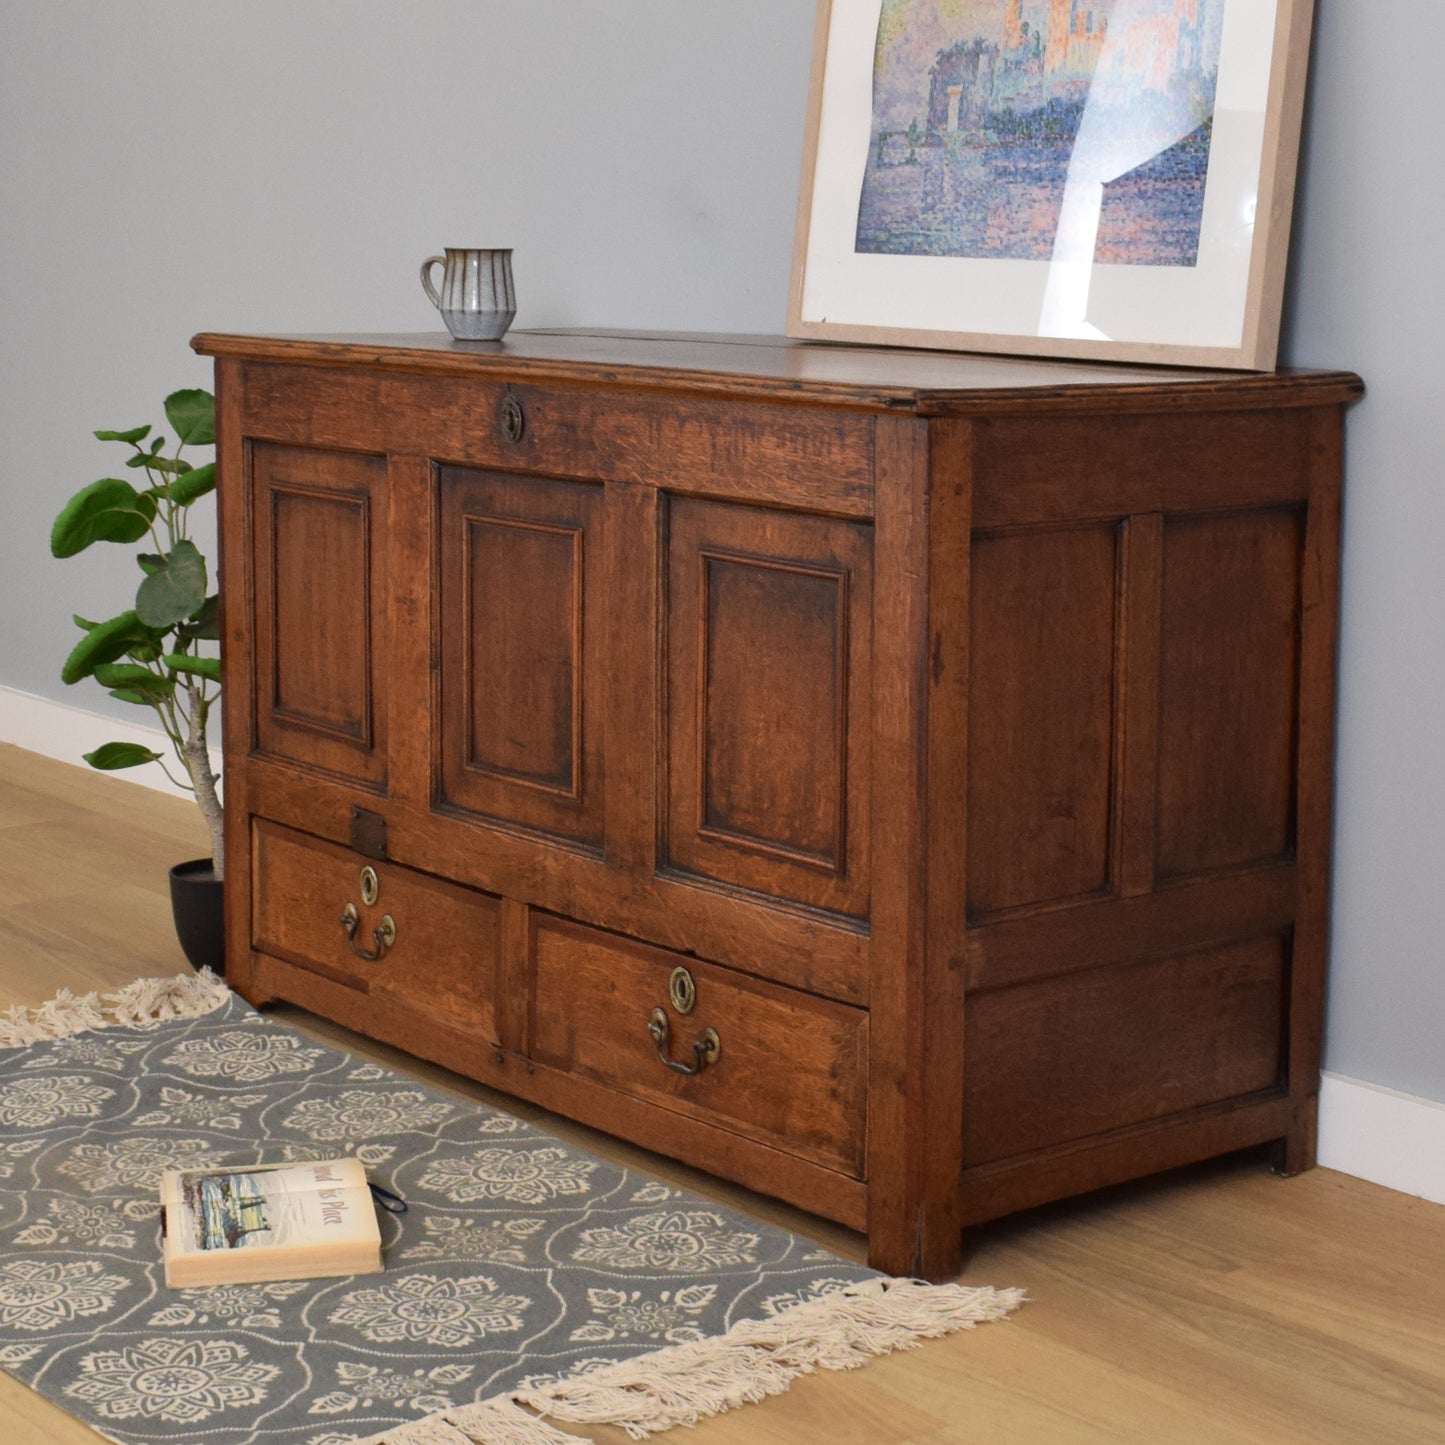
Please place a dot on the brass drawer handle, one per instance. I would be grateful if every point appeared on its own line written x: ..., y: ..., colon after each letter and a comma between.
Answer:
x: 383, y: 935
x: 706, y: 1049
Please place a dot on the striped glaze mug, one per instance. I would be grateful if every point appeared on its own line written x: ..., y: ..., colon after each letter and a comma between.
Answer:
x: 477, y: 300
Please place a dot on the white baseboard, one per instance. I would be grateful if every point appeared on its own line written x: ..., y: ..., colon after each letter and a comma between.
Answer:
x: 57, y: 730
x: 1374, y: 1133
x: 1368, y: 1131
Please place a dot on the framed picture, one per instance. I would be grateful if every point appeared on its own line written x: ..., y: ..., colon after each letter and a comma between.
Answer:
x: 1086, y: 178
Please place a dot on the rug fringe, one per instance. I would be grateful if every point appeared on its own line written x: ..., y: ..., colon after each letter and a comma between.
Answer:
x: 756, y: 1358
x: 146, y: 1001
x: 494, y: 1422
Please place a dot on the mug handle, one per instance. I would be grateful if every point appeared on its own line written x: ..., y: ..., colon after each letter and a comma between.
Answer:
x: 426, y: 278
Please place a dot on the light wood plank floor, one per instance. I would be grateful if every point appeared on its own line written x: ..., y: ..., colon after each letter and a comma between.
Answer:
x: 1216, y: 1306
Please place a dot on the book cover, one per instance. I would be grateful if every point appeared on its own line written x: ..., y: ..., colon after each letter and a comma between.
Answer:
x: 266, y: 1222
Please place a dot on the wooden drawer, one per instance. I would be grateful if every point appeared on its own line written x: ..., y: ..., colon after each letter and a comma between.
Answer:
x: 791, y: 1071
x: 442, y: 965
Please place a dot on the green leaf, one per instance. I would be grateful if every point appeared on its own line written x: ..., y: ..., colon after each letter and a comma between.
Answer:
x: 109, y: 510
x: 150, y: 562
x: 208, y: 667
x: 129, y: 694
x: 158, y: 463
x: 193, y: 415
x: 145, y: 651
x: 133, y: 677
x: 134, y: 435
x: 110, y: 756
x: 81, y: 623
x: 195, y: 483
x: 104, y: 643
x: 175, y: 589
x: 203, y: 624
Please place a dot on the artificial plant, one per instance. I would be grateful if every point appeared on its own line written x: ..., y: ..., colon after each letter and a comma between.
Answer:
x: 150, y: 654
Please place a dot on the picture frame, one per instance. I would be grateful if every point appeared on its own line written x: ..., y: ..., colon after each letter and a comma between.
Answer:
x: 1104, y: 179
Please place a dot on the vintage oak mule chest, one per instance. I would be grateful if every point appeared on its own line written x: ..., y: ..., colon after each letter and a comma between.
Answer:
x: 897, y: 781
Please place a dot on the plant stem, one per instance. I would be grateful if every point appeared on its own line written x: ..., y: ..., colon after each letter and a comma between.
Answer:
x: 198, y: 765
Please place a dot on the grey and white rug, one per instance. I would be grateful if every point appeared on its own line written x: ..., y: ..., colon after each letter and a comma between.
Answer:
x: 525, y: 1278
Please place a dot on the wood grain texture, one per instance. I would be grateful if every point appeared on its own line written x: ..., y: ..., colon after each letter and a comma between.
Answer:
x: 790, y: 1070
x: 881, y: 378
x: 1228, y: 690
x: 1215, y: 1306
x: 521, y: 607
x: 444, y: 964
x: 990, y: 698
x: 1042, y: 721
x: 321, y: 644
x: 769, y: 668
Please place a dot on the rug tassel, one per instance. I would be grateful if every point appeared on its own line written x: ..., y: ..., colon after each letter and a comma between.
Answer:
x: 146, y: 1001
x: 151, y: 1000
x: 494, y: 1422
x: 756, y: 1358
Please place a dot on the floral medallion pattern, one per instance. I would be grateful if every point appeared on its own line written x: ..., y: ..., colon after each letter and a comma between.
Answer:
x: 184, y: 1381
x: 366, y: 1114
x: 135, y: 1162
x: 519, y: 1257
x: 37, y: 1102
x: 244, y: 1306
x: 44, y: 1294
x: 89, y: 1051
x: 502, y: 1241
x: 76, y: 1223
x: 452, y: 1313
x: 668, y: 1316
x: 363, y: 1385
x: 182, y: 1107
x: 677, y: 1241
x: 524, y: 1176
x: 246, y: 1057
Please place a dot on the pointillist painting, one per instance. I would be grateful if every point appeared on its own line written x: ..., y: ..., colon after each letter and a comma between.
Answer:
x: 1024, y: 129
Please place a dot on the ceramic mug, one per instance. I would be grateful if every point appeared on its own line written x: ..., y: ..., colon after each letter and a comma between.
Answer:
x: 476, y: 301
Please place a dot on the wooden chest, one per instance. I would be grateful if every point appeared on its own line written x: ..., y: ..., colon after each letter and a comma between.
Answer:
x: 899, y: 782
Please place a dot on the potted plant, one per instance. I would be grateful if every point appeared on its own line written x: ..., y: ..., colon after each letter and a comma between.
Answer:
x: 151, y: 653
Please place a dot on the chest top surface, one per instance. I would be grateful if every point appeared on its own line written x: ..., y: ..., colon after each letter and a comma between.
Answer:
x: 872, y: 378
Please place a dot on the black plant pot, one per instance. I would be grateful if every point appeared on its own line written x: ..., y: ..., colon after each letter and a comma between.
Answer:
x: 196, y: 895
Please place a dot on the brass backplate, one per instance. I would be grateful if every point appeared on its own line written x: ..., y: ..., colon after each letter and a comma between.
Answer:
x: 682, y: 991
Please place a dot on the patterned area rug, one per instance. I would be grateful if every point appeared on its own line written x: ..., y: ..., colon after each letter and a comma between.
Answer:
x: 526, y: 1280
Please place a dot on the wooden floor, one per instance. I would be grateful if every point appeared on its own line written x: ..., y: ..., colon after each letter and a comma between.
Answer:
x: 1218, y: 1304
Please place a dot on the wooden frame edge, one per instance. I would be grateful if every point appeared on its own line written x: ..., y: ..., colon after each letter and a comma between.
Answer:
x: 1264, y: 292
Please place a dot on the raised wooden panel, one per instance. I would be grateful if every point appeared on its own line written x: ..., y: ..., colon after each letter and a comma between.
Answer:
x: 320, y: 588
x: 791, y: 1071
x: 1041, y: 715
x: 520, y: 611
x: 1075, y: 1056
x: 1121, y: 465
x: 768, y: 676
x: 1229, y: 670
x: 443, y: 963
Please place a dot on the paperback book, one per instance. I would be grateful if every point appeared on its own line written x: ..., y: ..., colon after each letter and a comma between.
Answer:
x: 259, y: 1223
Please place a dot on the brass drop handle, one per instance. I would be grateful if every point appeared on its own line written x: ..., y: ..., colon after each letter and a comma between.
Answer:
x: 705, y: 1050
x: 383, y: 935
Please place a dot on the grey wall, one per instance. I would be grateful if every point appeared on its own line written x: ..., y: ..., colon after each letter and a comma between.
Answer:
x: 168, y: 166
x: 1367, y: 291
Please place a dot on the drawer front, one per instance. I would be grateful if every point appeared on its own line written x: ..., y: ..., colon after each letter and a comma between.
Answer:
x: 790, y: 1071
x: 441, y: 962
